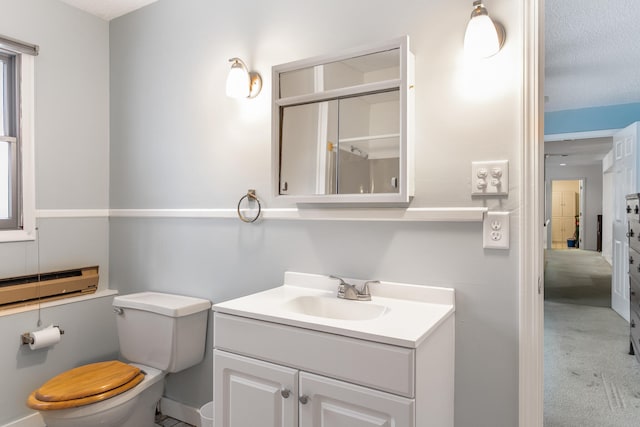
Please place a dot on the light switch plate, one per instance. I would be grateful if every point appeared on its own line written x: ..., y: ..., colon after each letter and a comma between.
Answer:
x: 490, y: 178
x: 495, y: 230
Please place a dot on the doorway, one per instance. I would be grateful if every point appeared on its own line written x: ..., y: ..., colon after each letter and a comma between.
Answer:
x: 566, y: 213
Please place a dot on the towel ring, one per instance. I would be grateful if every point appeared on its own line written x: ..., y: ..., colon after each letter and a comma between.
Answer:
x: 251, y: 195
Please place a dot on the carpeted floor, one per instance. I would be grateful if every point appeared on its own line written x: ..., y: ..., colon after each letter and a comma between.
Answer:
x: 575, y: 276
x: 590, y: 380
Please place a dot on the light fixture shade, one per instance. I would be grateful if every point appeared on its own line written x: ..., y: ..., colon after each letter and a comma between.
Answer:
x: 483, y: 37
x: 238, y: 80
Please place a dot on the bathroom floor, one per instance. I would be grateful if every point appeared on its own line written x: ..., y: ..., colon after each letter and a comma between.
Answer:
x: 166, y: 421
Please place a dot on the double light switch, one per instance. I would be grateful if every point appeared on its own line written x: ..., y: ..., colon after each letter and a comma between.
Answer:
x: 490, y: 178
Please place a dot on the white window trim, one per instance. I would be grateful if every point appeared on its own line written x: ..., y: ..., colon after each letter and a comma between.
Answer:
x: 27, y: 101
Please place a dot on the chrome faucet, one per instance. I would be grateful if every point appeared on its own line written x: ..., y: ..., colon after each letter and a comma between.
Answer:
x: 350, y: 292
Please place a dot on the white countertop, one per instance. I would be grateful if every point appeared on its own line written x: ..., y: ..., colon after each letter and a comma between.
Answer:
x: 411, y: 312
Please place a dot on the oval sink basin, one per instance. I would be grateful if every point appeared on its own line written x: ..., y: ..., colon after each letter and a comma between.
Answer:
x: 334, y: 308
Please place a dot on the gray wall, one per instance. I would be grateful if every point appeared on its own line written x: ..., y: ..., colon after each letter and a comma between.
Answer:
x: 592, y: 176
x: 72, y: 170
x: 178, y: 142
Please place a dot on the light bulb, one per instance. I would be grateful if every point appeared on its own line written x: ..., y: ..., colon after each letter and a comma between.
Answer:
x: 238, y: 81
x: 483, y: 38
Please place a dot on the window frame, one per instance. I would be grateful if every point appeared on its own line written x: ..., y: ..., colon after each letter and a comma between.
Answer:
x: 23, y: 224
x: 10, y: 62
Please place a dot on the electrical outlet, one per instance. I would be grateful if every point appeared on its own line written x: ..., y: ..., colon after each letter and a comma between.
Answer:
x: 495, y: 230
x: 490, y: 178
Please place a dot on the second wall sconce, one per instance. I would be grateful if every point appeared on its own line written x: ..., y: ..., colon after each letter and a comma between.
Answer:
x: 484, y: 37
x: 242, y: 83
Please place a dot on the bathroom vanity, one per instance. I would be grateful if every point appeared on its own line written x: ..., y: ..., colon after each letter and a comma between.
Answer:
x: 296, y: 355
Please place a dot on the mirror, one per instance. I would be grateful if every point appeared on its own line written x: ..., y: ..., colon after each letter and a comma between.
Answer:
x: 341, y: 127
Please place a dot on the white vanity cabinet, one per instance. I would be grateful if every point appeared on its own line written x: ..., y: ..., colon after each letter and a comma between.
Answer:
x: 297, y: 356
x: 331, y: 403
x: 256, y: 393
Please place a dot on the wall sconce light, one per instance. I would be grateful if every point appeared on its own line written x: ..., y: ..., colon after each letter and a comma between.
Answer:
x: 242, y: 83
x: 484, y: 37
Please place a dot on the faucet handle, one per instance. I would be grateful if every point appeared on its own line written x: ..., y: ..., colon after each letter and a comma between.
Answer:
x: 342, y: 282
x: 365, y: 287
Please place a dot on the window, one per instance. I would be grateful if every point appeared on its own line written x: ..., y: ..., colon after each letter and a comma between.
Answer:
x: 17, y: 204
x: 10, y: 204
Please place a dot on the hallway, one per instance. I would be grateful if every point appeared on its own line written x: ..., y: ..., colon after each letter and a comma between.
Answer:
x: 590, y: 380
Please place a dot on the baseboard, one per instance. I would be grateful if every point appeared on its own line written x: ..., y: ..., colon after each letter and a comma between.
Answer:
x: 179, y: 411
x: 33, y: 420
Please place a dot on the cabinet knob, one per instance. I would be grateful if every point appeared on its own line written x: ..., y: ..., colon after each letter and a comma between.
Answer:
x: 630, y: 260
x: 631, y: 233
x: 303, y: 399
x: 285, y: 392
x: 635, y: 210
x: 633, y: 323
x: 628, y: 209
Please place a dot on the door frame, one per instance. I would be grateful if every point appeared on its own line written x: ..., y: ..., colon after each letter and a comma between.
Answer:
x: 530, y: 249
x: 531, y: 227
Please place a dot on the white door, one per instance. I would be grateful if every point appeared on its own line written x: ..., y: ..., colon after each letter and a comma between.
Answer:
x: 625, y: 144
x: 329, y: 403
x: 252, y: 393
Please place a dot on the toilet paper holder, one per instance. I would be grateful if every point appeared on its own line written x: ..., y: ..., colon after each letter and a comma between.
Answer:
x: 27, y: 339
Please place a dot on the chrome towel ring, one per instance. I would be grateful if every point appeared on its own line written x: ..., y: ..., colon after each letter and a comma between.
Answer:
x: 251, y: 195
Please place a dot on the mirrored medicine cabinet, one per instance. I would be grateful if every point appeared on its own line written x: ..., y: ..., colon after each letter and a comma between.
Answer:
x: 342, y: 127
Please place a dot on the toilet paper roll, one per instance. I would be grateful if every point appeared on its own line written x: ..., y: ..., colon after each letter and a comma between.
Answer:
x: 44, y: 337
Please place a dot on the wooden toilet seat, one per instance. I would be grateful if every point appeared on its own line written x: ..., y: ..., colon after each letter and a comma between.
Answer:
x: 85, y: 385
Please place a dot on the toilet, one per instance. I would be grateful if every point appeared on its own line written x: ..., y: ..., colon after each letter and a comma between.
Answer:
x: 159, y: 334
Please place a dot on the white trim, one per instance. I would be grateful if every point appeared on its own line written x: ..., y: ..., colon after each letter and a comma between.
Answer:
x: 580, y: 135
x: 180, y: 411
x: 455, y: 214
x: 530, y: 259
x: 327, y: 95
x: 33, y: 420
x: 452, y: 214
x: 72, y: 213
x: 27, y: 147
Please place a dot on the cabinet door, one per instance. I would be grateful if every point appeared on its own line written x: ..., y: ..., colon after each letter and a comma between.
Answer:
x: 568, y: 227
x: 557, y: 231
x: 330, y: 403
x: 252, y: 393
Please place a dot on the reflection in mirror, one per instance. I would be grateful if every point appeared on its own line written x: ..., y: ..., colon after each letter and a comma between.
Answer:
x: 307, y: 159
x: 375, y: 67
x: 345, y: 146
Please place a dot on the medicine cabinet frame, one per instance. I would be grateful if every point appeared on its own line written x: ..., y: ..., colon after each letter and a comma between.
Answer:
x: 404, y: 85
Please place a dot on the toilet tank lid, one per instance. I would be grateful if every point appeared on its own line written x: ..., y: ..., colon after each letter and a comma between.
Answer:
x: 166, y: 304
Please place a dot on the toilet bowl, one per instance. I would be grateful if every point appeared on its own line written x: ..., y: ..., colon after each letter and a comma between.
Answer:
x: 118, y: 394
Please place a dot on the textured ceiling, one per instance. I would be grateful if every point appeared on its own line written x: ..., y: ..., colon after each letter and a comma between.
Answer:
x: 108, y: 9
x: 592, y: 53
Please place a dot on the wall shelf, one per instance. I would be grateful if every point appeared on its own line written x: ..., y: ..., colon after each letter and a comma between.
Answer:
x: 431, y: 214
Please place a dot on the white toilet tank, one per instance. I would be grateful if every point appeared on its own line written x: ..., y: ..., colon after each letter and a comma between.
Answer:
x: 164, y: 331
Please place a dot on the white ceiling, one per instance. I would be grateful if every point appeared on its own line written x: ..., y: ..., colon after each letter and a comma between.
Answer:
x: 108, y: 9
x: 592, y: 53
